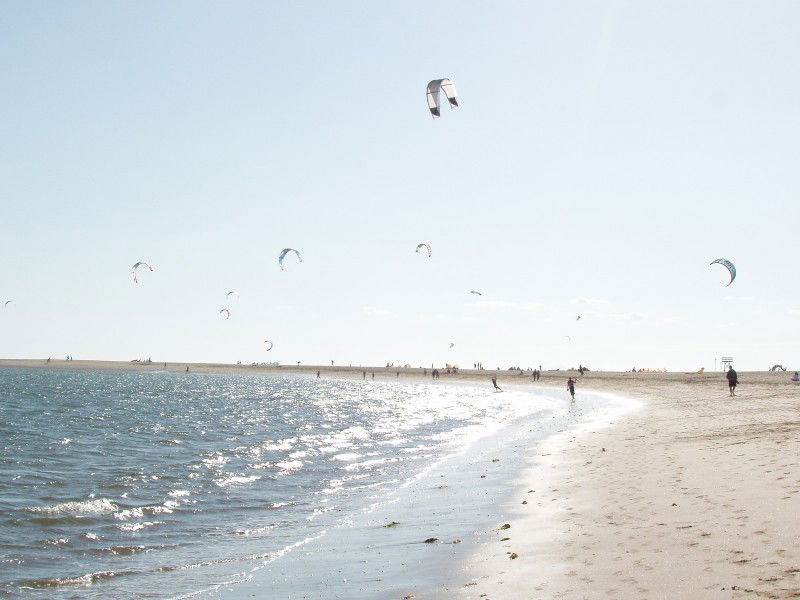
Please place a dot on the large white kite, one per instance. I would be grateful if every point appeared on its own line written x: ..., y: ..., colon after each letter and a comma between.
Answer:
x: 441, y: 85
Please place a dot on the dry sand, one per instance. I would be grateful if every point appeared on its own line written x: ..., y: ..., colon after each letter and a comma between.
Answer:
x: 692, y: 495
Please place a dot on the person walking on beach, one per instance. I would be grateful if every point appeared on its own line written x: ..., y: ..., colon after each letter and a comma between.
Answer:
x: 494, y: 383
x: 363, y: 374
x: 733, y: 379
x: 571, y: 387
x: 317, y: 374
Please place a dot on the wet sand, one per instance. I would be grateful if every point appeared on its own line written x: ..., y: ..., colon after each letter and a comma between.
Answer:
x: 692, y: 495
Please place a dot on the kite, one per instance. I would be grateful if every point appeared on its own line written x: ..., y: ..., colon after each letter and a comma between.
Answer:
x: 136, y: 266
x: 227, y: 313
x: 270, y: 345
x: 283, y: 254
x: 7, y: 303
x: 232, y: 293
x: 728, y: 265
x: 427, y: 246
x: 477, y: 293
x: 441, y: 85
x: 452, y: 344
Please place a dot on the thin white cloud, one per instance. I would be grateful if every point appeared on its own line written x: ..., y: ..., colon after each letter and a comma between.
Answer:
x: 376, y: 312
x: 500, y: 304
x: 583, y: 300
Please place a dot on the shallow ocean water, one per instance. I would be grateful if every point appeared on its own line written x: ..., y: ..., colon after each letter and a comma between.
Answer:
x: 156, y: 484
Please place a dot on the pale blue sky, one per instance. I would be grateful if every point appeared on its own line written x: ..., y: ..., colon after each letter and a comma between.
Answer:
x: 602, y: 150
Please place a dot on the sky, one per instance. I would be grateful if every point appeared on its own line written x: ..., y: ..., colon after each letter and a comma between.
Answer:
x: 602, y: 155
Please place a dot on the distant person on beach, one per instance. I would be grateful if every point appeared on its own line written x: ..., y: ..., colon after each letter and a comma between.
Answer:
x: 571, y: 387
x: 317, y: 374
x: 795, y: 377
x: 364, y: 374
x: 373, y: 375
x: 494, y: 383
x: 398, y: 373
x: 733, y: 379
x: 187, y: 368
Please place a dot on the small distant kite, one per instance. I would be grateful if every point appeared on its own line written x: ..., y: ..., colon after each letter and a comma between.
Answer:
x: 566, y: 337
x: 433, y: 92
x: 227, y: 313
x: 136, y: 266
x: 452, y: 344
x: 728, y: 265
x: 232, y: 293
x: 579, y: 318
x: 427, y: 247
x: 477, y: 293
x: 270, y: 345
x: 7, y: 302
x: 283, y: 254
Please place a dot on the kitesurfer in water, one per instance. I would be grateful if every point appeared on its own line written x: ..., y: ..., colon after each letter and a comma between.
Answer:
x: 733, y: 379
x: 571, y: 387
x: 494, y: 383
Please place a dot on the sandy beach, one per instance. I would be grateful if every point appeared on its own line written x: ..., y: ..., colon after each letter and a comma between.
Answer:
x: 692, y: 494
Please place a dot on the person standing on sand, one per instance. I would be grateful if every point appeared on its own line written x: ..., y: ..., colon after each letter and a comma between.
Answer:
x: 317, y: 374
x: 363, y: 374
x: 733, y: 379
x: 494, y: 383
x: 571, y: 387
x: 373, y: 375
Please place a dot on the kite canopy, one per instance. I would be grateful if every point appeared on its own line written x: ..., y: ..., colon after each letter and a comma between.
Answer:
x: 136, y: 266
x: 566, y: 337
x: 232, y: 293
x: 728, y: 265
x: 283, y: 254
x: 452, y: 344
x: 227, y: 313
x: 427, y: 247
x: 579, y: 318
x: 270, y: 345
x: 477, y: 293
x: 441, y: 85
x: 7, y: 303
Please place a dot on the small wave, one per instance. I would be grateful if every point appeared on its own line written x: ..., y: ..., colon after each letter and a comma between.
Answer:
x: 179, y: 493
x: 346, y: 456
x: 118, y: 550
x: 236, y: 479
x: 46, y: 582
x: 57, y: 542
x: 289, y: 465
x: 90, y: 507
x: 138, y: 526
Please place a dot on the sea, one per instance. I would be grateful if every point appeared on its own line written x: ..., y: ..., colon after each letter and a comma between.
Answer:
x: 157, y: 484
